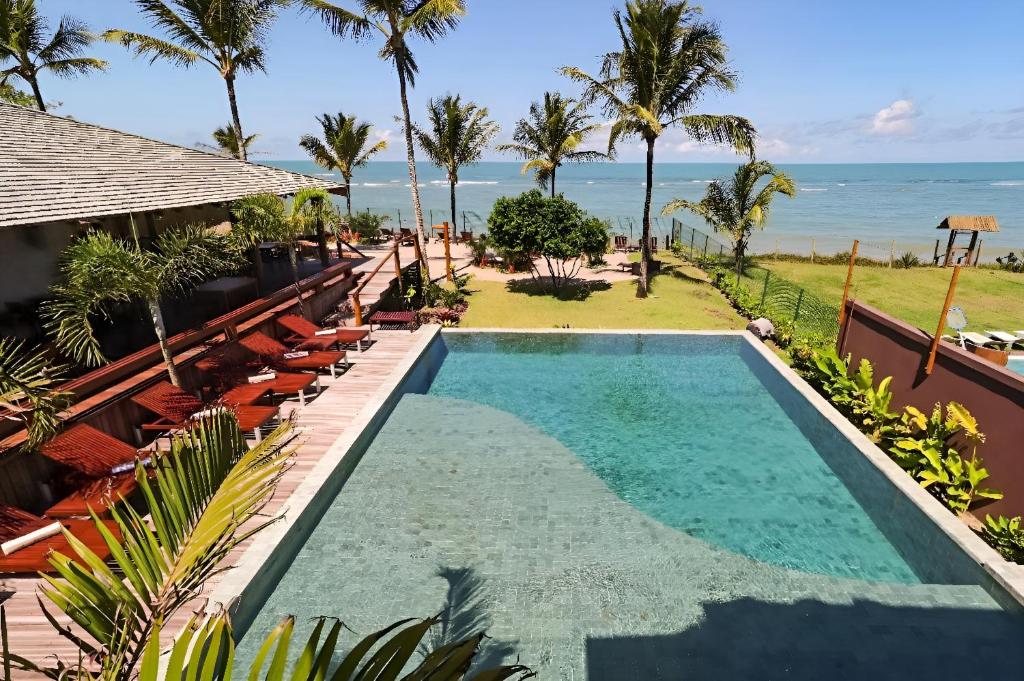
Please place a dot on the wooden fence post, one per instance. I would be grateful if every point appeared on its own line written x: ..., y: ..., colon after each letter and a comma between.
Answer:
x: 892, y: 253
x: 764, y: 291
x: 812, y: 250
x: 417, y: 249
x: 849, y: 279
x: 942, y: 321
x: 357, y: 309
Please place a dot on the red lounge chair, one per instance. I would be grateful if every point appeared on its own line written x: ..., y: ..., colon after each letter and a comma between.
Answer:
x: 176, y: 408
x: 104, y: 464
x: 246, y: 394
x: 307, y: 335
x: 267, y: 348
x: 16, y: 523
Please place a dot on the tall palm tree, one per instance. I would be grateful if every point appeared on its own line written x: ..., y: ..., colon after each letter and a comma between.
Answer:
x: 227, y: 143
x: 397, y: 21
x: 551, y: 135
x: 100, y: 270
x: 669, y: 59
x: 24, y: 41
x: 229, y: 35
x: 738, y: 206
x: 343, y: 148
x: 458, y: 136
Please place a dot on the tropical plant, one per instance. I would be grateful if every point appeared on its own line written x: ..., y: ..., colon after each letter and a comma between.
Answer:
x: 1006, y: 535
x: 551, y: 136
x: 458, y: 135
x: 343, y: 148
x: 28, y: 392
x: 908, y: 261
x: 554, y: 229
x: 12, y: 95
x: 206, y: 652
x: 202, y: 499
x: 367, y: 225
x: 257, y: 219
x: 396, y: 21
x: 478, y: 249
x: 226, y: 143
x: 737, y: 206
x: 24, y: 41
x: 100, y: 270
x: 668, y: 61
x: 313, y: 209
x: 229, y: 35
x: 1011, y: 262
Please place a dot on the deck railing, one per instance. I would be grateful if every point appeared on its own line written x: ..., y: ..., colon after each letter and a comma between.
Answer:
x: 392, y: 254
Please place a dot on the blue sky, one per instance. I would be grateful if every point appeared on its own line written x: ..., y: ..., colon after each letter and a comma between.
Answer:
x: 823, y: 81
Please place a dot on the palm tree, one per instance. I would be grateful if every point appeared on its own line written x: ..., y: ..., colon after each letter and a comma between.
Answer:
x: 396, y: 21
x: 343, y: 148
x: 552, y: 136
x: 458, y: 136
x: 99, y: 270
x: 229, y: 35
x: 27, y: 390
x: 23, y: 40
x: 736, y: 207
x: 669, y: 59
x: 227, y: 143
x: 257, y: 219
x: 12, y: 95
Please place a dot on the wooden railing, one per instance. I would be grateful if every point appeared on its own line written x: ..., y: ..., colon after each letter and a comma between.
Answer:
x: 392, y: 254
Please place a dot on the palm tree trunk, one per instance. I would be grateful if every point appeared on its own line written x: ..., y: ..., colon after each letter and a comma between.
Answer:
x: 348, y: 195
x: 645, y: 240
x: 161, y: 338
x: 293, y: 257
x: 35, y: 91
x: 554, y: 171
x: 740, y: 247
x: 411, y: 153
x: 236, y: 122
x: 455, y: 220
x: 321, y: 234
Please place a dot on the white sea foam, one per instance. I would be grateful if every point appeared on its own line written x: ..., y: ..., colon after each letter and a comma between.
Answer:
x: 590, y: 182
x: 701, y: 181
x: 374, y: 184
x: 1008, y: 183
x: 813, y: 189
x: 478, y: 182
x: 841, y: 184
x: 325, y: 174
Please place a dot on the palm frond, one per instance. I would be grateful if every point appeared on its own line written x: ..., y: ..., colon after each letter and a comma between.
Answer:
x: 340, y: 21
x: 75, y: 66
x: 432, y: 19
x: 155, y: 48
x: 28, y: 390
x: 186, y: 256
x: 736, y: 131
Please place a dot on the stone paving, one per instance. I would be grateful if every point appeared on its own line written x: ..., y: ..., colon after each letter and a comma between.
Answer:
x: 467, y: 508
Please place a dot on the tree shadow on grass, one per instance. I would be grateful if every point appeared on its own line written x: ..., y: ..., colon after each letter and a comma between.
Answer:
x: 578, y: 290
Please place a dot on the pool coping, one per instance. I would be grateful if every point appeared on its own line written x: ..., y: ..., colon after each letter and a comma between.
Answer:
x: 1009, y: 576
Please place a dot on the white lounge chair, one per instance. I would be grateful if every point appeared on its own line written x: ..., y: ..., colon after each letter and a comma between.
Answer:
x: 975, y: 338
x: 1007, y: 339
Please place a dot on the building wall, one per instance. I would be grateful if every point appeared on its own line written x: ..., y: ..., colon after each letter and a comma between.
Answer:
x: 29, y: 257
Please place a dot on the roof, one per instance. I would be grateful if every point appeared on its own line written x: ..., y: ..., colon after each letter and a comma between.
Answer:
x: 971, y: 223
x: 53, y: 168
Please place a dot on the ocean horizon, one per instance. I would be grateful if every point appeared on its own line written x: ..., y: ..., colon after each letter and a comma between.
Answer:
x: 878, y: 203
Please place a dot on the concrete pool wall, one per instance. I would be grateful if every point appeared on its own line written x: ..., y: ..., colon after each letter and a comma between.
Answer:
x: 913, y: 520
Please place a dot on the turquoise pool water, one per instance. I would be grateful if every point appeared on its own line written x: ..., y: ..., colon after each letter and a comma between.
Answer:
x: 615, y: 507
x: 1016, y: 364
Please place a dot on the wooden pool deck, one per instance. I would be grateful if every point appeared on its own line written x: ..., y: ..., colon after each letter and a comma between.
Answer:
x: 319, y: 424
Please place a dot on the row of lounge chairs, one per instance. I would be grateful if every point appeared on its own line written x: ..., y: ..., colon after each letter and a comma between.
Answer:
x: 101, y: 468
x: 1001, y: 340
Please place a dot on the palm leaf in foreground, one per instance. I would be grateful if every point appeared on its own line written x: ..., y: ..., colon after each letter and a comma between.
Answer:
x: 27, y: 392
x: 206, y: 651
x: 203, y: 498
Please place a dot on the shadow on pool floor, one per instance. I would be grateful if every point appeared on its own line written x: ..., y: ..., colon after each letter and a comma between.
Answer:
x: 751, y: 640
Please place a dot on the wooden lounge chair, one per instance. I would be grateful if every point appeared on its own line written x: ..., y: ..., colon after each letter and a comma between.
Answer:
x: 975, y: 338
x: 248, y: 394
x: 105, y: 468
x: 401, y: 318
x: 16, y: 523
x: 177, y: 408
x: 1007, y: 339
x: 621, y: 244
x: 269, y: 349
x: 387, y: 234
x: 405, y: 233
x: 305, y: 332
x: 465, y: 237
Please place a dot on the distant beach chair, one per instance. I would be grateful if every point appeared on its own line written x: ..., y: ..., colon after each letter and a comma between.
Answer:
x: 621, y: 243
x: 387, y: 234
x: 654, y: 244
x: 977, y: 339
x: 465, y: 237
x: 405, y: 233
x: 1008, y: 339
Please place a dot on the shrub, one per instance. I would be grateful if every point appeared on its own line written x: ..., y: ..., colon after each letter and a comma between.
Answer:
x: 478, y: 249
x: 1011, y: 262
x: 1006, y: 536
x: 908, y: 261
x: 367, y: 225
x: 554, y: 229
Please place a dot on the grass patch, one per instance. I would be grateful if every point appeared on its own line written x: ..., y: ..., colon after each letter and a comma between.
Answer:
x: 679, y: 299
x: 992, y: 299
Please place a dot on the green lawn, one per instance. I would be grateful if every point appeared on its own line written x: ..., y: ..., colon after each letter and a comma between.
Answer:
x: 679, y: 300
x: 992, y: 299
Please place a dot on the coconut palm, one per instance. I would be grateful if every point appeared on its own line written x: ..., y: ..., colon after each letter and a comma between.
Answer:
x: 343, y: 148
x: 28, y: 393
x: 737, y: 206
x: 100, y: 270
x: 669, y: 59
x: 458, y: 136
x: 12, y: 95
x: 24, y: 41
x: 256, y: 219
x: 226, y: 143
x: 229, y: 35
x: 397, y: 21
x: 552, y: 135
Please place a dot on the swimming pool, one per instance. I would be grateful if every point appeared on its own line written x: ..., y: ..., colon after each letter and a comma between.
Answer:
x: 598, y: 501
x: 1016, y: 364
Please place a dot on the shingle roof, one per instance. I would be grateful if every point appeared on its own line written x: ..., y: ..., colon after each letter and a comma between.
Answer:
x: 971, y: 223
x: 54, y: 168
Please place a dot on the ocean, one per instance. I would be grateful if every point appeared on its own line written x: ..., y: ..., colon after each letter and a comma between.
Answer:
x: 887, y: 206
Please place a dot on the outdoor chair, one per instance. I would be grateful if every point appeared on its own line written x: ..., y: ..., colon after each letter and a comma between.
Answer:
x: 306, y: 334
x: 407, y: 319
x: 245, y: 384
x: 1007, y: 339
x: 387, y: 234
x: 621, y: 244
x: 275, y: 353
x: 27, y: 540
x: 405, y: 233
x: 465, y: 237
x: 177, y: 409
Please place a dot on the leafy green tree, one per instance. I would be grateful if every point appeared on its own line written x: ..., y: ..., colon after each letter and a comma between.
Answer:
x: 229, y: 35
x: 226, y: 143
x: 12, y: 95
x: 458, y: 135
x: 24, y: 41
x: 343, y: 148
x: 396, y: 21
x: 552, y: 135
x: 740, y: 205
x: 552, y: 228
x: 668, y: 61
x: 28, y: 392
x: 100, y: 270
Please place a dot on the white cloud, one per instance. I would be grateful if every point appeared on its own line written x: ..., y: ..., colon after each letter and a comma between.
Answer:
x: 895, y: 119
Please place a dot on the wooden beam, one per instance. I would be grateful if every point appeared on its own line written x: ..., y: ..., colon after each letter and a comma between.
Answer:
x: 942, y: 321
x: 849, y: 280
